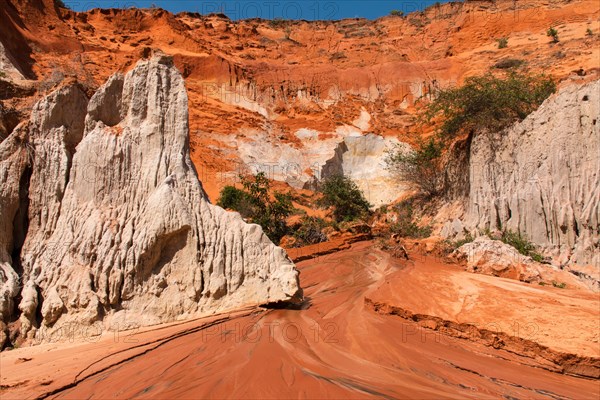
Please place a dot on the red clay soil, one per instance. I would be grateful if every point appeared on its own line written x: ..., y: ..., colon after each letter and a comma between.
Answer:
x: 335, y: 347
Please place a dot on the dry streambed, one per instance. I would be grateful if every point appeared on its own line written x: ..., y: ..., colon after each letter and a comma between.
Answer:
x: 336, y: 346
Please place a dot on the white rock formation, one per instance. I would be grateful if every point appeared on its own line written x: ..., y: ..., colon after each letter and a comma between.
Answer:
x: 541, y: 177
x: 359, y: 156
x: 120, y: 229
x: 7, y: 64
x: 14, y: 160
x: 492, y: 257
x: 362, y: 159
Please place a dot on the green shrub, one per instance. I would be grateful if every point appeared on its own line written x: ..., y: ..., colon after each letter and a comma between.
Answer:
x: 560, y: 285
x: 309, y: 231
x: 233, y: 198
x: 589, y: 32
x: 420, y: 167
x: 553, y: 33
x: 488, y: 102
x: 521, y: 244
x: 502, y: 43
x: 273, y: 219
x: 255, y: 204
x: 348, y: 201
x: 397, y: 13
x: 405, y: 226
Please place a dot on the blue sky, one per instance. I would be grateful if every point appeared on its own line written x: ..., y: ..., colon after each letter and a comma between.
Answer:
x: 268, y: 9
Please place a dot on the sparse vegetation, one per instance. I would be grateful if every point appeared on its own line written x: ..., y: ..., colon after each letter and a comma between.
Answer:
x: 589, y: 32
x: 488, y: 102
x: 397, y: 13
x: 309, y: 231
x: 405, y: 226
x: 560, y: 285
x: 255, y: 204
x: 416, y: 22
x: 458, y: 243
x: 521, y: 244
x: 277, y: 23
x: 61, y: 4
x: 348, y: 201
x: 507, y: 63
x: 553, y: 33
x: 502, y: 43
x: 420, y: 167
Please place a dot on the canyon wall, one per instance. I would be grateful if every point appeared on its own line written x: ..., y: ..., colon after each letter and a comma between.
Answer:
x: 541, y: 177
x: 362, y: 159
x: 104, y: 218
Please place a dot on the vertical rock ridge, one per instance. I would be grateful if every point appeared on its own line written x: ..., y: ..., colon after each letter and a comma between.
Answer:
x: 120, y: 229
x: 541, y: 177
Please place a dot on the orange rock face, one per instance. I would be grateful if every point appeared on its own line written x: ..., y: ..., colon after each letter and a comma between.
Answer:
x: 372, y: 325
x: 280, y: 77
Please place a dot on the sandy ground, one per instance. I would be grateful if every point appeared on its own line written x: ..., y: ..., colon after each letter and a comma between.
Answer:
x: 335, y: 347
x: 562, y: 319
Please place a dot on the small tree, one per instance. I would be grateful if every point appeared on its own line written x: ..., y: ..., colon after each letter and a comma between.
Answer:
x: 344, y: 195
x: 589, y: 32
x: 231, y: 197
x: 255, y: 204
x: 273, y: 219
x: 553, y: 33
x: 420, y: 167
x: 396, y: 13
x: 502, y: 43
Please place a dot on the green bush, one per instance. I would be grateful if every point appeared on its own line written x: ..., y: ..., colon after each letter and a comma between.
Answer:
x: 488, y: 102
x: 309, y: 231
x: 236, y: 199
x: 273, y: 219
x: 502, y: 43
x: 560, y: 285
x: 522, y: 244
x: 255, y: 204
x: 420, y: 167
x: 589, y: 32
x: 348, y: 201
x: 553, y: 33
x: 397, y: 13
x: 405, y: 226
